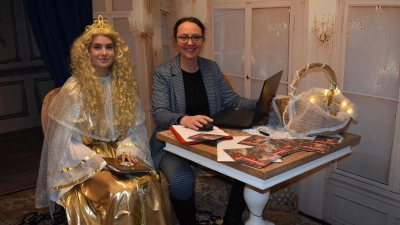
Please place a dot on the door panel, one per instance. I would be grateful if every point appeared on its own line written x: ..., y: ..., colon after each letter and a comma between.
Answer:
x: 367, y: 182
x: 372, y: 82
x: 266, y: 36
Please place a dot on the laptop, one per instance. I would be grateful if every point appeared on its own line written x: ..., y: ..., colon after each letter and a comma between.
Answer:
x: 241, y: 118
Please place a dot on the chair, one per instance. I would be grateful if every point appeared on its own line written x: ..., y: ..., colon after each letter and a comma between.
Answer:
x: 46, y: 105
x: 230, y: 81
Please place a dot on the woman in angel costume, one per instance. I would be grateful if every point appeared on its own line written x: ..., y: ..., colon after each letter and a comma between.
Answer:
x: 98, y: 114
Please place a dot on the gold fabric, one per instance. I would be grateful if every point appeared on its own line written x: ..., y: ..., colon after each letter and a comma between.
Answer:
x: 72, y: 161
x: 108, y: 198
x: 107, y: 149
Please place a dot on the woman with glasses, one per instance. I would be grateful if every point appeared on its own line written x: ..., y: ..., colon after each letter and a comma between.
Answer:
x: 187, y: 90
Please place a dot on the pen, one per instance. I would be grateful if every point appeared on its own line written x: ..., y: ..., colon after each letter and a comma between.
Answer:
x: 263, y: 133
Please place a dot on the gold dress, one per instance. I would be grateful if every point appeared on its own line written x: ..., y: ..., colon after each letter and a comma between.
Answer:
x: 72, y: 171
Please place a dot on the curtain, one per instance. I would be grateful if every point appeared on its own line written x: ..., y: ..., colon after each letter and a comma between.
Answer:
x: 55, y: 25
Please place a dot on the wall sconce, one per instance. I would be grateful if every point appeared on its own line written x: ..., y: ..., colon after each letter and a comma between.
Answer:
x: 324, y: 31
x: 193, y: 2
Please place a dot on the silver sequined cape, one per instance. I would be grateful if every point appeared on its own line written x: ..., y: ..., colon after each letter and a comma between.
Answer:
x: 65, y: 161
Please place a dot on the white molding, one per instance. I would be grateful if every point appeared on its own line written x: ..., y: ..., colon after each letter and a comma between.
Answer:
x: 365, y: 188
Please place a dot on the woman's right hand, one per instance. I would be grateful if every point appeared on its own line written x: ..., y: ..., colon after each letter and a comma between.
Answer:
x: 128, y: 158
x: 195, y: 122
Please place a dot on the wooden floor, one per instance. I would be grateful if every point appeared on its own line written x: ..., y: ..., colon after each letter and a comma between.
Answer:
x: 19, y: 159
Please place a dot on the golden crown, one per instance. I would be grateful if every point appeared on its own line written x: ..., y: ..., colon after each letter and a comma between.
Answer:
x: 100, y: 23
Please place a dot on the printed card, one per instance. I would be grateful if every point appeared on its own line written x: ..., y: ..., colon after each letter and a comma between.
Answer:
x: 254, y: 140
x: 326, y: 140
x: 315, y: 147
x: 282, y: 147
x: 256, y: 156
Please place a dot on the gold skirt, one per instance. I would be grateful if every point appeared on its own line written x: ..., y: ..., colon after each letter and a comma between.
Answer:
x: 108, y: 198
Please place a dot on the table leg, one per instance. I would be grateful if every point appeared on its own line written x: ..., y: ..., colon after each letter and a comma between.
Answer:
x: 256, y: 201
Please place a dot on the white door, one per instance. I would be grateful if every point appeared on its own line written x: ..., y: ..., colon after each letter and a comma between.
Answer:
x: 364, y: 187
x: 251, y: 43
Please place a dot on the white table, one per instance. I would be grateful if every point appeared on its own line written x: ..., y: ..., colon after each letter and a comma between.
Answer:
x: 256, y: 192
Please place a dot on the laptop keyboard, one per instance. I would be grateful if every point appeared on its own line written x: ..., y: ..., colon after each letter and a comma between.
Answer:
x: 240, y: 117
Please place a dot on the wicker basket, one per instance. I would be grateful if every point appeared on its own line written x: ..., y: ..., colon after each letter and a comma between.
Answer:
x: 284, y: 212
x: 316, y: 111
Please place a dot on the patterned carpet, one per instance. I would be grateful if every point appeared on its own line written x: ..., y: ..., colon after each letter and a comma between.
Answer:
x: 211, y: 197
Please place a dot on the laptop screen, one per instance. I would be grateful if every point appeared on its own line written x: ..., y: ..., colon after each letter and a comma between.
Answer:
x: 267, y: 94
x: 246, y: 118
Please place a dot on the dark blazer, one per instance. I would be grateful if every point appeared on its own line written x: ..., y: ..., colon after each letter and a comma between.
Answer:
x: 169, y: 96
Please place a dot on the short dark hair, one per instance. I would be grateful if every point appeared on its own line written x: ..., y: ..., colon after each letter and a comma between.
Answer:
x: 188, y: 19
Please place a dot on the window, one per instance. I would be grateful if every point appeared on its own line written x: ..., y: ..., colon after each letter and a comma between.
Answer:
x: 251, y: 43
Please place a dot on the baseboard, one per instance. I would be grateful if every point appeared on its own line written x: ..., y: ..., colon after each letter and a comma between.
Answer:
x: 314, y: 219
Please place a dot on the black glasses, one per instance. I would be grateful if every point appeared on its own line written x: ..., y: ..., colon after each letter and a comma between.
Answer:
x: 195, y: 39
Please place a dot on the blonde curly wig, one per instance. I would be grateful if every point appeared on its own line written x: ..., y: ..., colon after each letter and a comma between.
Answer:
x: 124, y: 86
